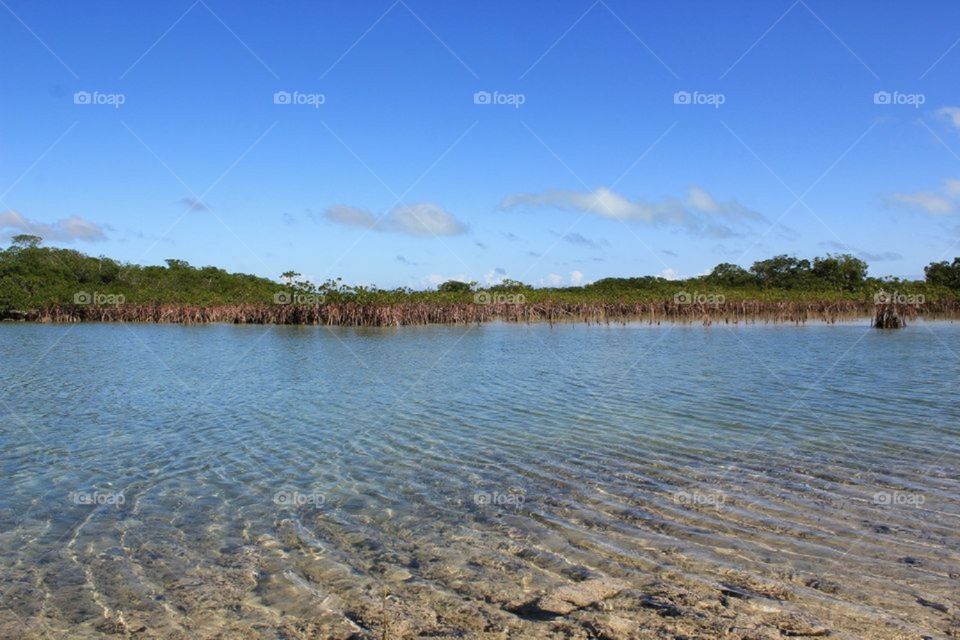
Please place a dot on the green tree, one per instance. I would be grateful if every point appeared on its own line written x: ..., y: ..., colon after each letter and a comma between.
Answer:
x: 782, y: 272
x: 731, y: 275
x: 25, y: 241
x: 843, y: 271
x: 509, y: 285
x: 454, y: 286
x: 173, y: 263
x: 944, y: 274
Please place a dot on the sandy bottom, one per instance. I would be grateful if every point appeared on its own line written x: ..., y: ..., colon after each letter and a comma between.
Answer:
x: 675, y: 483
x: 754, y: 554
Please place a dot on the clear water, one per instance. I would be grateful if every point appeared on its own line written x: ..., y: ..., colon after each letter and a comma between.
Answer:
x: 280, y: 481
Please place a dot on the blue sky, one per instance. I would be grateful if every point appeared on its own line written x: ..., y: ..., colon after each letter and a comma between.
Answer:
x: 403, y: 143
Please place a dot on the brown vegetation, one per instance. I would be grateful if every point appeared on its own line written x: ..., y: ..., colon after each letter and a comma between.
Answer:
x: 422, y: 313
x: 888, y: 316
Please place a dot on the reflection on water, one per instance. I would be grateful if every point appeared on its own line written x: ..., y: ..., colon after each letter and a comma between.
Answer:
x: 220, y: 481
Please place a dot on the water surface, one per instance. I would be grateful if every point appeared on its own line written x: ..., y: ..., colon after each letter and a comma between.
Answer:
x: 249, y: 481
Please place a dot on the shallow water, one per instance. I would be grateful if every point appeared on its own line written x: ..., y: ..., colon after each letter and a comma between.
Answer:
x: 281, y: 482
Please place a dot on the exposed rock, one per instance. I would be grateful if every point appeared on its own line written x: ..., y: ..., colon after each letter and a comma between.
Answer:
x: 820, y: 584
x: 662, y: 606
x: 740, y: 584
x: 399, y: 575
x: 613, y: 628
x: 114, y: 624
x: 571, y: 597
x: 794, y: 626
x: 735, y: 592
x: 933, y: 605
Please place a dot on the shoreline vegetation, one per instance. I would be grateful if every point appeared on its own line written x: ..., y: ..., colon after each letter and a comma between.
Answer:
x: 43, y: 284
x: 426, y: 313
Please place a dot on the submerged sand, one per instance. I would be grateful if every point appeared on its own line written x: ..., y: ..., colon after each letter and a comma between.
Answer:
x: 804, y: 551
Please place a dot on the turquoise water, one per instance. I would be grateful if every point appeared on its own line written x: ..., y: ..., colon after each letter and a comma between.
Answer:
x: 246, y: 478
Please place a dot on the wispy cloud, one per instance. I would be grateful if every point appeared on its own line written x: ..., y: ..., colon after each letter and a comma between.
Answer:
x: 951, y: 115
x: 580, y: 240
x: 435, y: 279
x: 422, y: 219
x: 699, y: 213
x: 72, y: 229
x: 869, y: 256
x: 884, y: 256
x: 193, y: 204
x: 942, y: 201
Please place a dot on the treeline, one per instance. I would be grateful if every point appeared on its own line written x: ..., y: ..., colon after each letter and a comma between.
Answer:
x: 841, y: 272
x: 35, y: 277
x: 780, y: 277
x: 833, y: 272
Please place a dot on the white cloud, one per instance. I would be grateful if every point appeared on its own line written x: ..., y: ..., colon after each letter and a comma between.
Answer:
x: 422, y: 219
x: 557, y: 280
x: 941, y: 201
x: 72, y: 229
x: 350, y: 216
x: 952, y: 114
x: 494, y: 276
x: 701, y: 200
x: 435, y: 279
x: 926, y: 200
x: 670, y: 274
x: 602, y: 202
x: 699, y: 213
